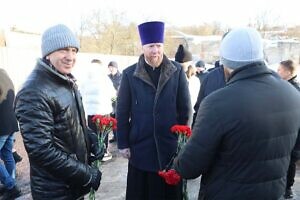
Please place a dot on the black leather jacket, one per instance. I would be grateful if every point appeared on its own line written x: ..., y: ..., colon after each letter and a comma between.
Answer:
x: 51, y: 117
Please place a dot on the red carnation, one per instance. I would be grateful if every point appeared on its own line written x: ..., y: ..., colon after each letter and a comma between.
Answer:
x: 171, y: 177
x: 181, y: 129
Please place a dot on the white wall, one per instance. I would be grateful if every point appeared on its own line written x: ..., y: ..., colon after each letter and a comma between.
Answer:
x: 20, y: 62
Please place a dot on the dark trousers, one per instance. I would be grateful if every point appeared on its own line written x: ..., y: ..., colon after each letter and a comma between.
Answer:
x: 290, y: 178
x: 142, y: 185
x: 92, y: 126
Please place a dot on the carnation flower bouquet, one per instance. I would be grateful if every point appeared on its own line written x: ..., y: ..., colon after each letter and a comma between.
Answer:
x: 104, y: 126
x: 170, y: 176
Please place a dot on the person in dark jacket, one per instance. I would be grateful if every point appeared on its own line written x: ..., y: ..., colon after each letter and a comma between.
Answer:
x: 59, y: 145
x: 8, y: 126
x: 242, y: 140
x: 115, y: 76
x: 288, y: 71
x: 201, y: 70
x: 213, y: 81
x: 153, y: 96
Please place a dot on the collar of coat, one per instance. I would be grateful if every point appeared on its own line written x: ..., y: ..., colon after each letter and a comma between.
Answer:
x: 248, y: 71
x: 167, y: 69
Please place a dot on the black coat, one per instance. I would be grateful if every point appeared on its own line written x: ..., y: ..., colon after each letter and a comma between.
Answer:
x: 213, y: 81
x: 50, y: 113
x: 116, y: 80
x: 294, y: 81
x: 8, y: 121
x: 243, y: 137
x: 145, y: 113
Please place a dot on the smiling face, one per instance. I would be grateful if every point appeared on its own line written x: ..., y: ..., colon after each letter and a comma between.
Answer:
x: 153, y: 53
x: 63, y: 59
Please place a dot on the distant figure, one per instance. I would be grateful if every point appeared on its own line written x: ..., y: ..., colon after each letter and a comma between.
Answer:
x: 194, y: 84
x: 287, y: 71
x: 212, y: 81
x: 184, y: 57
x: 201, y: 70
x: 115, y: 76
x: 97, y: 91
x: 59, y: 145
x: 8, y: 126
x: 153, y: 96
x: 245, y: 132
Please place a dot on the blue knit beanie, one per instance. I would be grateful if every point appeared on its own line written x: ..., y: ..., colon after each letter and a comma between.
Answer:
x: 240, y: 47
x: 58, y: 37
x: 152, y: 32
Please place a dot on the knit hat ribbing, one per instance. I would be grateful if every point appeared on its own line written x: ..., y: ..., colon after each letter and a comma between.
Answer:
x: 58, y: 37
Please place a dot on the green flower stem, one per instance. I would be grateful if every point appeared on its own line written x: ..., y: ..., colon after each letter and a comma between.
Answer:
x: 101, y: 137
x: 184, y: 190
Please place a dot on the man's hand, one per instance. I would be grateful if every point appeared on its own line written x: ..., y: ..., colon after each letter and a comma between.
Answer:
x: 125, y: 153
x: 96, y: 178
x: 97, y: 152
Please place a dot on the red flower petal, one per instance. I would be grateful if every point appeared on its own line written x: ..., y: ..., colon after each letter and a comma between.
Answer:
x: 171, y: 177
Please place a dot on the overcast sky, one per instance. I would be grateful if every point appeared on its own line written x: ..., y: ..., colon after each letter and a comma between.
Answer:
x: 36, y: 15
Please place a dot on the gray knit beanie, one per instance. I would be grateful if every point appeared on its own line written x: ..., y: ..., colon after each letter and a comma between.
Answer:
x: 58, y: 37
x: 240, y: 47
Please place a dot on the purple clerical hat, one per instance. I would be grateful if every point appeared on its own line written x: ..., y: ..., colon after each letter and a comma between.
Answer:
x: 151, y: 32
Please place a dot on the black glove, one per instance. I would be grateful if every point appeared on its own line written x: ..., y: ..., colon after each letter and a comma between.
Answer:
x: 98, y: 153
x: 96, y: 178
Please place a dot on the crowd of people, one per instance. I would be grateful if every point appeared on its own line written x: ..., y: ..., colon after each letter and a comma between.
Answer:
x: 244, y: 119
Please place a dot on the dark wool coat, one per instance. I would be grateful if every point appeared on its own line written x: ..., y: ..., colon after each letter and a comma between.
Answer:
x: 294, y: 81
x: 213, y: 81
x: 243, y: 137
x: 8, y: 121
x: 116, y: 80
x: 51, y: 117
x: 146, y: 114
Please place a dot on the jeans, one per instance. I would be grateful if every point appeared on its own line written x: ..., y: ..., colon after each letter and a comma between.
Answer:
x: 7, y: 171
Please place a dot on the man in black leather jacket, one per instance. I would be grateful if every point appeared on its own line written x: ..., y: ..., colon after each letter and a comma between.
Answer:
x: 52, y: 123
